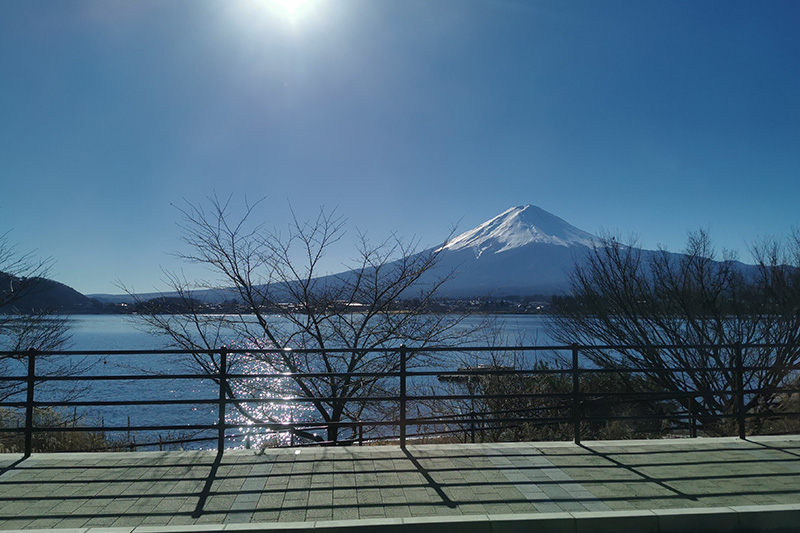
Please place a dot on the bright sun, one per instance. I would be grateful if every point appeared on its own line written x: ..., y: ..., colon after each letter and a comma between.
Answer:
x: 292, y: 8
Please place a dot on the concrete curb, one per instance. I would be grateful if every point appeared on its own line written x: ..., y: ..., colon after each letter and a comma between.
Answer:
x: 756, y: 518
x: 352, y: 450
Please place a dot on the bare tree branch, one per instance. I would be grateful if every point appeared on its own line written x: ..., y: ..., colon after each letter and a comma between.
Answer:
x: 286, y: 303
x: 622, y: 295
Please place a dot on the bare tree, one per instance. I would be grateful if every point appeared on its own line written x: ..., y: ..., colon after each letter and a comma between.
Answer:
x: 354, y: 322
x: 622, y: 295
x: 21, y: 275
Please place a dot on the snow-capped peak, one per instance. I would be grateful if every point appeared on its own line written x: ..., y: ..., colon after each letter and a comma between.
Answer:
x: 517, y: 227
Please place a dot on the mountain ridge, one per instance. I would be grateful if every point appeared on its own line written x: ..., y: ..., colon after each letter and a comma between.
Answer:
x: 523, y: 251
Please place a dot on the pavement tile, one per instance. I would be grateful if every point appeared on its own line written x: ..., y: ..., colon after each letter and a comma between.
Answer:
x: 124, y: 521
x: 320, y: 498
x: 345, y: 513
x: 181, y: 520
x: 319, y: 514
x: 371, y: 512
x: 265, y: 516
x: 42, y: 523
x: 15, y: 523
x: 294, y: 515
x: 397, y: 511
x: 99, y: 522
x: 350, y: 483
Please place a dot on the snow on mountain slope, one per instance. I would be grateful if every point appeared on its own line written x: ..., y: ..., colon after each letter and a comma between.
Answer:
x: 519, y: 226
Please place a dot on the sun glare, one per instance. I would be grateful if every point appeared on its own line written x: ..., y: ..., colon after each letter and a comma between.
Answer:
x: 292, y: 9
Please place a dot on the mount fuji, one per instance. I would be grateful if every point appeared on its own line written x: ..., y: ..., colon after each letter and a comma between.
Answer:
x: 524, y: 250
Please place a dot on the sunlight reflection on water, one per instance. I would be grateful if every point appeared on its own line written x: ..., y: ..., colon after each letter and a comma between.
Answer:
x: 285, y: 388
x: 117, y: 332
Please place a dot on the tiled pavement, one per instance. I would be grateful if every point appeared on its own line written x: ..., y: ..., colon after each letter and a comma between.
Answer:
x: 357, y: 483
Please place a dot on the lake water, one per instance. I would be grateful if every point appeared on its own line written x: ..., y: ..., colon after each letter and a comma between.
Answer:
x: 120, y: 332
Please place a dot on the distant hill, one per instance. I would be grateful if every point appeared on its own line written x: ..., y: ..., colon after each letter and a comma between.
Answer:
x: 41, y: 294
x: 207, y: 296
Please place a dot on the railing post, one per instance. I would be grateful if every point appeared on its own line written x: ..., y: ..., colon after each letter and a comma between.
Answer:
x: 740, y: 414
x: 31, y: 382
x: 403, y: 357
x: 472, y: 426
x: 576, y: 396
x: 692, y: 418
x: 223, y: 387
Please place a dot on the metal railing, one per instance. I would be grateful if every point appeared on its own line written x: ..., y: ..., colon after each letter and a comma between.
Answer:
x: 568, y: 406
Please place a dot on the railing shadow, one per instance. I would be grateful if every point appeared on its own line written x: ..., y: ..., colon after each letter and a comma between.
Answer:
x: 782, y: 449
x: 633, y: 470
x: 425, y: 474
x: 477, y: 485
x: 12, y: 466
x: 206, y: 490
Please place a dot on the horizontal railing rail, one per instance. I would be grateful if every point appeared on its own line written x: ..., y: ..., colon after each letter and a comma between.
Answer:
x: 570, y: 404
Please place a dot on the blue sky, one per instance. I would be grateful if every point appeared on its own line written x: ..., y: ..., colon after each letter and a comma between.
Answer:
x: 643, y: 117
